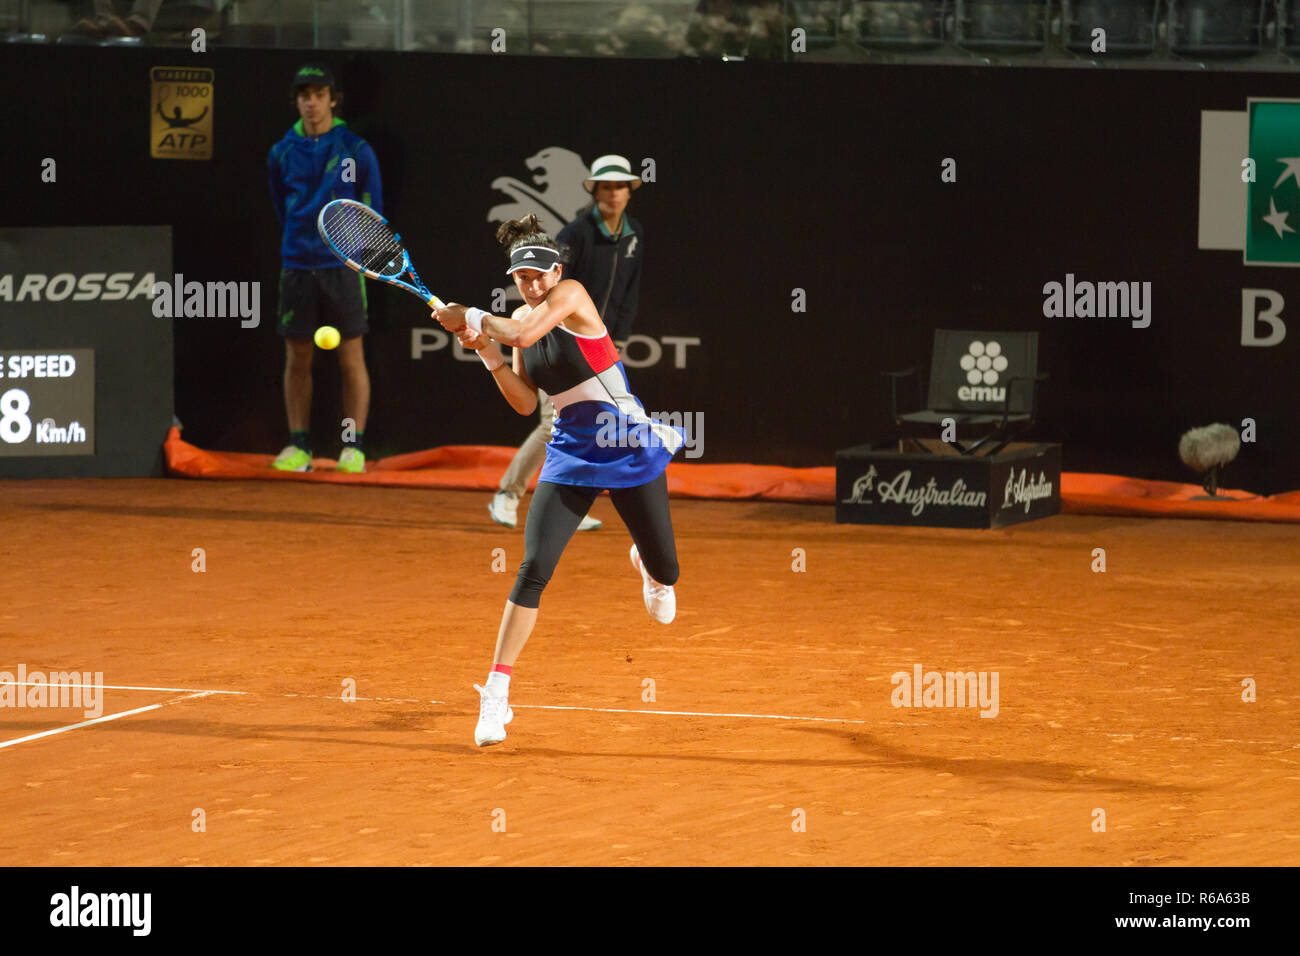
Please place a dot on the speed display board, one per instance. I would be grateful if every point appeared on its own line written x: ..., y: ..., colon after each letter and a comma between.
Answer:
x: 86, y: 368
x: 47, y: 403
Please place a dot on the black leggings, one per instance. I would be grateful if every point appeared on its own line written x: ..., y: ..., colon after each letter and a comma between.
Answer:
x: 554, y: 515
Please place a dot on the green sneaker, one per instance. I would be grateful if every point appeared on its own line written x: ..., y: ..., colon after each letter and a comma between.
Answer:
x: 352, y: 461
x: 292, y: 458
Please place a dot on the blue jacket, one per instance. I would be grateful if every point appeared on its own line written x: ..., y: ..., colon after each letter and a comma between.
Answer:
x: 304, y: 174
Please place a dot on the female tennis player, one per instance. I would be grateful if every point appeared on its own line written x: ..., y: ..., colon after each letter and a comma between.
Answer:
x: 602, y: 439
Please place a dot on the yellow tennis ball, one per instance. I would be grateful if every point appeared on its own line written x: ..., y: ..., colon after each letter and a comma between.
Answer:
x: 327, y: 337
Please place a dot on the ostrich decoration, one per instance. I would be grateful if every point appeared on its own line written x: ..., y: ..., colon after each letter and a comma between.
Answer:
x: 1207, y: 450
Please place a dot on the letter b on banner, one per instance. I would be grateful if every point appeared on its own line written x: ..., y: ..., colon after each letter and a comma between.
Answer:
x: 1249, y: 317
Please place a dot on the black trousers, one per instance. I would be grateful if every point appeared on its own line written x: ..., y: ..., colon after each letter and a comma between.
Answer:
x: 553, y: 517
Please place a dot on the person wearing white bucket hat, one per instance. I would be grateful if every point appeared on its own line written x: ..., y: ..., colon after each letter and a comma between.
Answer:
x: 604, y: 241
x: 612, y: 169
x: 602, y: 250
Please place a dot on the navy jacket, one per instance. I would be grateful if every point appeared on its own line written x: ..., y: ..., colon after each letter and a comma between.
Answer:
x: 304, y: 174
x: 609, y: 268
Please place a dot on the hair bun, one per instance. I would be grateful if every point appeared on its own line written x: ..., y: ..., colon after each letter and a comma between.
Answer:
x: 524, y: 232
x: 515, y: 229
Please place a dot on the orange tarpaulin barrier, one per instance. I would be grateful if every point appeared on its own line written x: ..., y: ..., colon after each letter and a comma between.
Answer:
x: 479, y: 467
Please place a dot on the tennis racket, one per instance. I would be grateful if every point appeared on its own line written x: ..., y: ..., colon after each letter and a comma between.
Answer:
x: 364, y: 242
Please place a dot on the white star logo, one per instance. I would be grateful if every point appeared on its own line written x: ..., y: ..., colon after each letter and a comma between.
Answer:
x: 1277, y: 219
x: 1292, y: 169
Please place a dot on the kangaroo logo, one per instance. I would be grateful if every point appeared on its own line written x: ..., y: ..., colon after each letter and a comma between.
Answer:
x: 556, y: 194
x: 631, y: 248
x: 861, y: 487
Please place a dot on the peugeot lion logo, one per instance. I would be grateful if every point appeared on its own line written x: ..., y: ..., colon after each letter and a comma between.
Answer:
x: 556, y: 193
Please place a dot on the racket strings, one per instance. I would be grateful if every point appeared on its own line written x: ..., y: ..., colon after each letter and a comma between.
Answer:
x: 365, y: 239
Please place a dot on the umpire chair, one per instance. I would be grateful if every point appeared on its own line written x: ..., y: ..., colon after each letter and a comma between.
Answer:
x: 986, y: 382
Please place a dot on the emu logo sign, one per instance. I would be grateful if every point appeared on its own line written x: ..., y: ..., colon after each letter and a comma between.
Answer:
x: 983, y: 363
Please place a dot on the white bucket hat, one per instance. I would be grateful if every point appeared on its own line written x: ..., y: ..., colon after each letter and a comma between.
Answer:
x: 611, y: 168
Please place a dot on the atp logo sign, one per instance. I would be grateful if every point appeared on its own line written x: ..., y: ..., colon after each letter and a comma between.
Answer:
x: 181, y: 114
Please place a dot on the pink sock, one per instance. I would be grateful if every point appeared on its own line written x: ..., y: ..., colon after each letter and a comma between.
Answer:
x: 498, y: 681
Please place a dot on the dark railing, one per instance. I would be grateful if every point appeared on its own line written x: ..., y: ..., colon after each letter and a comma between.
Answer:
x: 1198, y: 34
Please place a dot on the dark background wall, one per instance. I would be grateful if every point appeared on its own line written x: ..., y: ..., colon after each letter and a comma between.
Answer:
x: 769, y: 177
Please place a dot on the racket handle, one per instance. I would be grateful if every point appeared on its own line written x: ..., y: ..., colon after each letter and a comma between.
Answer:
x: 436, y: 302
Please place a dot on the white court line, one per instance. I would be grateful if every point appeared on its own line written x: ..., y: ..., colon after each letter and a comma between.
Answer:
x: 100, y: 720
x: 193, y: 693
x: 195, y: 690
x: 690, y: 713
x: 401, y: 700
x: 391, y: 700
x: 174, y: 690
x: 410, y: 700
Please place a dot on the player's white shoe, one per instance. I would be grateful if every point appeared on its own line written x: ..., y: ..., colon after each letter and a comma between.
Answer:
x: 504, y: 509
x: 493, y: 715
x: 588, y: 523
x: 660, y: 600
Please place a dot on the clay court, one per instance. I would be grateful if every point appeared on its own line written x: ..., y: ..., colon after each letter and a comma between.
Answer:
x: 1119, y: 690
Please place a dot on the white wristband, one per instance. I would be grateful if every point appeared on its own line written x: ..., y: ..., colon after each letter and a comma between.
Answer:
x: 474, y: 319
x: 490, y: 355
